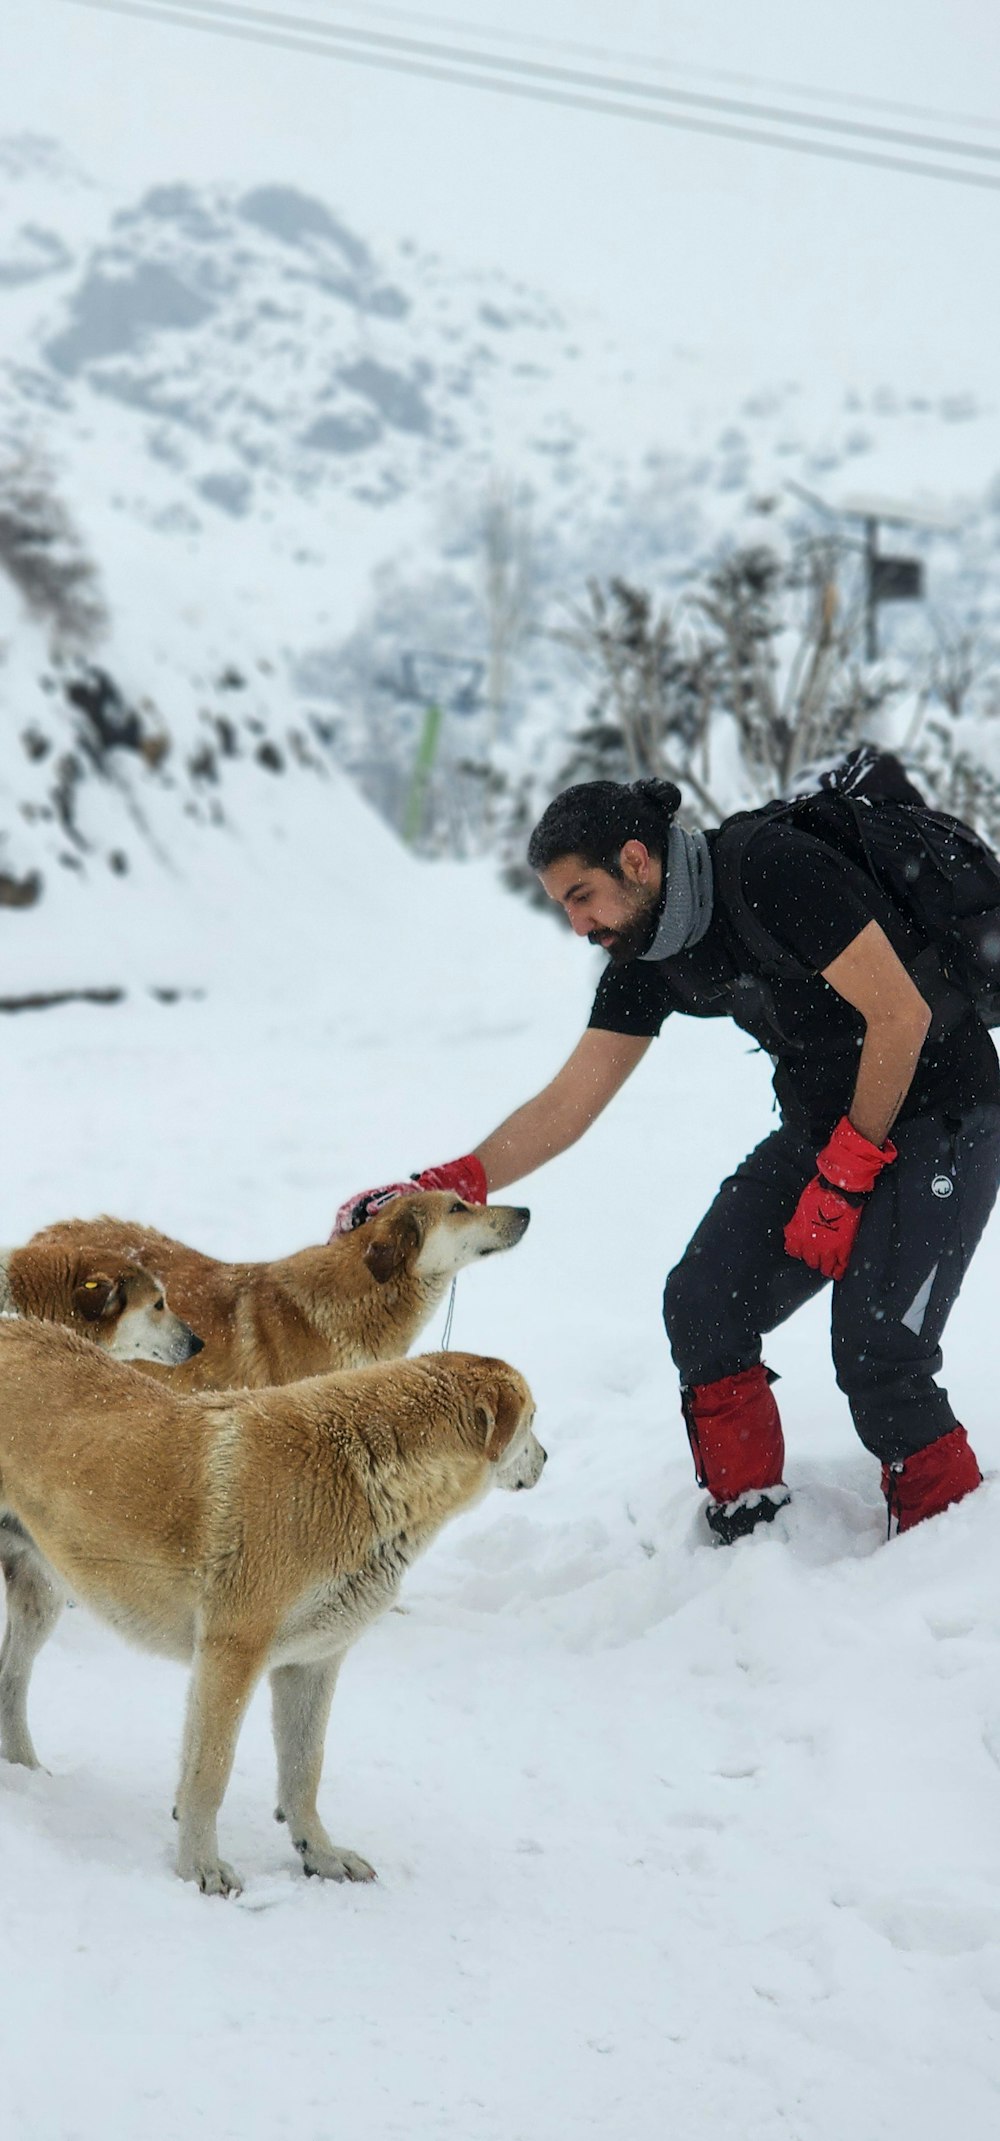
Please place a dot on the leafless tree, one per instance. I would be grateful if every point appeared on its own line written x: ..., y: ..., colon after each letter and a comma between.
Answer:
x: 42, y: 553
x: 654, y: 697
x: 953, y: 736
x: 507, y: 593
x: 668, y: 679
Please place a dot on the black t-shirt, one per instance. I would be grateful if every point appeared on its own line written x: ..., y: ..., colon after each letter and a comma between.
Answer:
x: 814, y: 903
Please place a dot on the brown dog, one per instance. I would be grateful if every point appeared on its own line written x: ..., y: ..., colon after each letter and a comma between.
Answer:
x: 249, y: 1531
x: 363, y: 1297
x: 111, y: 1300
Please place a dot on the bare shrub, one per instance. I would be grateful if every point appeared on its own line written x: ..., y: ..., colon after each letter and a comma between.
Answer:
x: 749, y: 680
x: 507, y: 575
x: 41, y: 551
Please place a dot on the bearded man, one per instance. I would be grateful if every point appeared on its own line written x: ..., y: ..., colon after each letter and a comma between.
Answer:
x: 828, y: 1196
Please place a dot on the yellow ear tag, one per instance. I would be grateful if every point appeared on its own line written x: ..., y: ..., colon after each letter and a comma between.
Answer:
x: 90, y: 1286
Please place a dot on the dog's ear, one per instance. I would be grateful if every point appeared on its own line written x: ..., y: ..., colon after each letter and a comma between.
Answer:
x: 498, y: 1413
x: 396, y: 1237
x: 382, y: 1259
x: 93, y: 1298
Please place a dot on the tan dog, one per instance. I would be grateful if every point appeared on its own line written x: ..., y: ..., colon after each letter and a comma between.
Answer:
x: 248, y: 1531
x: 113, y: 1301
x: 127, y: 1316
x: 363, y: 1297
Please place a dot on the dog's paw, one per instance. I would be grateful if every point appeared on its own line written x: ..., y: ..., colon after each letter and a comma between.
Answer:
x: 214, y: 1877
x: 219, y: 1879
x: 22, y: 1754
x: 330, y: 1864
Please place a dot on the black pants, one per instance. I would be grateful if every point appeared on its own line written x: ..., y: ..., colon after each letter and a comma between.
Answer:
x: 917, y: 1237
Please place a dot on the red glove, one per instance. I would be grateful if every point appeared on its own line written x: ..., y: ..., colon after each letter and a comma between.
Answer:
x: 364, y: 1204
x: 467, y: 1177
x: 824, y: 1224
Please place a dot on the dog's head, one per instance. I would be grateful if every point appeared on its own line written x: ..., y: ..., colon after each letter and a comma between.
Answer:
x: 501, y: 1411
x: 434, y: 1234
x: 127, y: 1314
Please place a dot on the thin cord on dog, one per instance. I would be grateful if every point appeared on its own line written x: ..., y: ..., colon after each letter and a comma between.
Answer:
x: 446, y: 1340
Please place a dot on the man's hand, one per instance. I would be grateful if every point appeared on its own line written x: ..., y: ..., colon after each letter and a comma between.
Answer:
x: 554, y: 1119
x: 823, y: 1227
x: 824, y: 1224
x: 364, y: 1204
x: 466, y: 1177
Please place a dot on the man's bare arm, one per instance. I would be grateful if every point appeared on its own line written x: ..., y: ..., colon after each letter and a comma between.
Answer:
x: 564, y: 1109
x: 871, y: 977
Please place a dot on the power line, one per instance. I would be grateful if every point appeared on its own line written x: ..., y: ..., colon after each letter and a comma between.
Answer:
x: 670, y: 66
x: 397, y: 55
x: 385, y: 42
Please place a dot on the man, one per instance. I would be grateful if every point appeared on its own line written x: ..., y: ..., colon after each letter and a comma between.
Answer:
x: 893, y: 1222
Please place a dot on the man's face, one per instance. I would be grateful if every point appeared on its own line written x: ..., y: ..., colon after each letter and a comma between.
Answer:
x: 615, y: 913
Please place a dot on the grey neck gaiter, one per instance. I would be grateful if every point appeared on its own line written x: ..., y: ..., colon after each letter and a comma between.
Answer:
x: 687, y: 906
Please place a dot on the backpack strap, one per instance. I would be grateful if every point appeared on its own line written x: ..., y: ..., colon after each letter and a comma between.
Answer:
x: 923, y: 961
x: 730, y: 848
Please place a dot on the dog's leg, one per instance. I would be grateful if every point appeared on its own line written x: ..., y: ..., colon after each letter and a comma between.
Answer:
x: 223, y: 1677
x: 34, y: 1604
x: 300, y: 1706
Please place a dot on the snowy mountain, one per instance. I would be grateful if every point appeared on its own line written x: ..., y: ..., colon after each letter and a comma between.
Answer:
x: 238, y: 411
x: 273, y: 448
x: 250, y: 358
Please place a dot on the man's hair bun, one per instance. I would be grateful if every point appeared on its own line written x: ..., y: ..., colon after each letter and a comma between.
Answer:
x: 663, y: 795
x: 594, y: 820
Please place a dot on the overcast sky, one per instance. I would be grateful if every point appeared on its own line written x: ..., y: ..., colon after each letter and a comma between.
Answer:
x: 724, y: 265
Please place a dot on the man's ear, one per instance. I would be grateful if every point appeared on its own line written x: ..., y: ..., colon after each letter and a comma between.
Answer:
x: 634, y: 862
x: 92, y: 1298
x: 498, y: 1417
x: 396, y: 1238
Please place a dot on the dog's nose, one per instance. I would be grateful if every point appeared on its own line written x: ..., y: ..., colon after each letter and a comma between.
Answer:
x: 523, y: 1214
x: 197, y: 1346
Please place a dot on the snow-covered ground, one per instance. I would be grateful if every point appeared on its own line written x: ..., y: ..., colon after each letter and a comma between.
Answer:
x: 671, y: 1840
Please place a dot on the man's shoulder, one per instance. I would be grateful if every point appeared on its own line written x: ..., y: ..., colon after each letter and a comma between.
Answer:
x: 810, y: 899
x: 765, y: 835
x: 772, y: 853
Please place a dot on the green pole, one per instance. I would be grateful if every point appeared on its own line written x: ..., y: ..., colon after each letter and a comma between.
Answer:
x: 422, y: 765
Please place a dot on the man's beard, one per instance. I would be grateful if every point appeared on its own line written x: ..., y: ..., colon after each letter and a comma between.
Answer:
x: 634, y: 936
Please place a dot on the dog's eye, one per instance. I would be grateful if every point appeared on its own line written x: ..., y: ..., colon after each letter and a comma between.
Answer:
x: 159, y: 1305
x: 458, y: 1208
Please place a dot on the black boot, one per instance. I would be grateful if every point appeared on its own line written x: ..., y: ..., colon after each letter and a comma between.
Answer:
x: 729, y: 1521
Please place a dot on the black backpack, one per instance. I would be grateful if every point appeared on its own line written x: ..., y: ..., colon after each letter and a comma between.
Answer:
x: 941, y: 880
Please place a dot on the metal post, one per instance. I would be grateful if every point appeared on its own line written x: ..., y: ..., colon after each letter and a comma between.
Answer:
x: 871, y: 606
x: 422, y: 765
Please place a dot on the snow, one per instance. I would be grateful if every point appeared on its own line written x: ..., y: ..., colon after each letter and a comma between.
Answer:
x: 276, y: 390
x: 670, y: 1839
x: 647, y: 353
x: 724, y: 264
